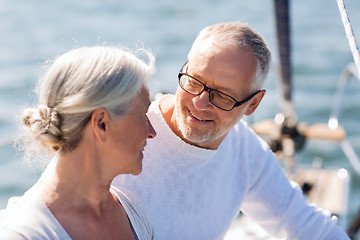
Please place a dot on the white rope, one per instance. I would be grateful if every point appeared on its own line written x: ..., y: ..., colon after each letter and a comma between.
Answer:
x: 349, y: 34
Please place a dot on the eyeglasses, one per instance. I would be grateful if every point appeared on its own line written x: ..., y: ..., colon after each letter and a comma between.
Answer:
x: 219, y: 99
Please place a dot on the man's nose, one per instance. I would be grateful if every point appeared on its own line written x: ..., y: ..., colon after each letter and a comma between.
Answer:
x: 201, y: 101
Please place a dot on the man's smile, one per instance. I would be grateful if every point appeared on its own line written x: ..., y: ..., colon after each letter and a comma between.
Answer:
x: 198, y: 118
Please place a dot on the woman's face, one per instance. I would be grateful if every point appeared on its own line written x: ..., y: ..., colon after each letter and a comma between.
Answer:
x: 128, y: 134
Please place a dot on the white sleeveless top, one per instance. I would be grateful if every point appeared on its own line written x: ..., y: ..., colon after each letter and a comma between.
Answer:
x: 31, y: 219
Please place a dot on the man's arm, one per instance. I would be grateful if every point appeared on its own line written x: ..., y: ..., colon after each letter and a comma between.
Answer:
x: 280, y: 207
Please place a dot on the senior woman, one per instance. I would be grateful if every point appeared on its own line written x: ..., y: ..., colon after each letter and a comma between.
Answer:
x: 92, y: 112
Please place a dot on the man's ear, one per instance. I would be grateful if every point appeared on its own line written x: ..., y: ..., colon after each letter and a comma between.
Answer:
x: 255, y: 102
x: 100, y: 123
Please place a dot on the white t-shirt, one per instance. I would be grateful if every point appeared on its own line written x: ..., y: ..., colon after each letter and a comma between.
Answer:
x: 195, y: 193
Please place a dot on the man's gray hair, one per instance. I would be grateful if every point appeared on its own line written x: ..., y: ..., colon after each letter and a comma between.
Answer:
x: 239, y: 35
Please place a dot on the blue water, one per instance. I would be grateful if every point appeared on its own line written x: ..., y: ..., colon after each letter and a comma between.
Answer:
x: 31, y: 32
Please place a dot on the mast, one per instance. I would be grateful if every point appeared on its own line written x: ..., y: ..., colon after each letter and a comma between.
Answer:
x: 282, y: 18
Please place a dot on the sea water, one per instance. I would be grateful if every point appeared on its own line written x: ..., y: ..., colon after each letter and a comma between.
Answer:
x: 32, y: 32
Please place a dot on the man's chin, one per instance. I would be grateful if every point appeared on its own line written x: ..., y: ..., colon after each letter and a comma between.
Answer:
x: 195, y: 137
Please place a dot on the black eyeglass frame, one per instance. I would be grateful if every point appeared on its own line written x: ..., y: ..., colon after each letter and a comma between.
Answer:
x: 209, y: 90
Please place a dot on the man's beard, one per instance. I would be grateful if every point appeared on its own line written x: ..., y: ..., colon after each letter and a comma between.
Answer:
x: 193, y: 134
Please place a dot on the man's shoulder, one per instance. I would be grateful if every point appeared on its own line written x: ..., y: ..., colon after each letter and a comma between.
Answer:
x: 243, y: 132
x: 241, y: 126
x: 165, y: 103
x: 160, y: 110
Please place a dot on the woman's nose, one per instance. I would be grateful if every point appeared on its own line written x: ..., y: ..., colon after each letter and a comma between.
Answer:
x: 152, y: 132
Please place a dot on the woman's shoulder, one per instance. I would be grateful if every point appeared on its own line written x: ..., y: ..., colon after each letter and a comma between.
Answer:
x: 128, y: 198
x: 32, y: 220
x: 136, y: 212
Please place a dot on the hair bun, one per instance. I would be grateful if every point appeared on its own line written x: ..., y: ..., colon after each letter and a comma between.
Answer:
x: 44, y: 123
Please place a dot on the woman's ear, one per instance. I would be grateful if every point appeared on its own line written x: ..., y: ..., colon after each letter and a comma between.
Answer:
x: 255, y: 102
x: 100, y: 123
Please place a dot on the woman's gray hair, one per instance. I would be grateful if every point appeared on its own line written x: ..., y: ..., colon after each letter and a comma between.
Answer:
x: 77, y: 83
x: 239, y: 35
